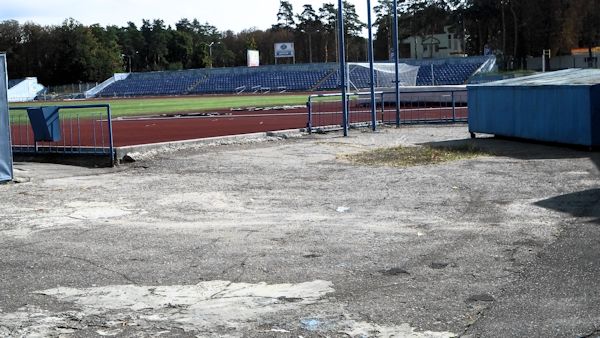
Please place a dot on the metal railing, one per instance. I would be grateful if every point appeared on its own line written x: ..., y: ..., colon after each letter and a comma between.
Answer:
x: 417, y: 107
x: 84, y: 130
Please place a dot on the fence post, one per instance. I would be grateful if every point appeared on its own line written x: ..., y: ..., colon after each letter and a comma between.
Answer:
x: 382, y: 108
x: 371, y: 69
x: 309, y: 107
x: 342, y: 59
x: 453, y: 108
x: 396, y: 66
x: 111, y: 145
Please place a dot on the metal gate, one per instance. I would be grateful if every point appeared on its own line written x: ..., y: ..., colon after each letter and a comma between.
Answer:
x: 67, y: 129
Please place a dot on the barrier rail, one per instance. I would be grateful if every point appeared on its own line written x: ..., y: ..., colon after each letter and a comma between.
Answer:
x: 83, y: 130
x: 427, y: 106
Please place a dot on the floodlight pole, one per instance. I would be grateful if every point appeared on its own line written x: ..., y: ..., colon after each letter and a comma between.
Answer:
x: 342, y: 54
x: 371, y: 68
x: 396, y: 57
x: 129, y: 61
x: 210, y: 45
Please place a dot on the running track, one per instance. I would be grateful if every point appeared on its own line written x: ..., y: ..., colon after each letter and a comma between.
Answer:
x: 135, y: 131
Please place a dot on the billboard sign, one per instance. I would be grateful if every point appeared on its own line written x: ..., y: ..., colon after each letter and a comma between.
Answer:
x: 284, y: 50
x: 6, y: 169
x: 253, y: 58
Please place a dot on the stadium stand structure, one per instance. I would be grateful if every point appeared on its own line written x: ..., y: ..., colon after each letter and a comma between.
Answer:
x: 12, y: 83
x: 306, y: 77
x: 445, y: 74
x: 23, y: 90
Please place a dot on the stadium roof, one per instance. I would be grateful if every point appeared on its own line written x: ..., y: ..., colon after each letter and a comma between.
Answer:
x: 567, y: 77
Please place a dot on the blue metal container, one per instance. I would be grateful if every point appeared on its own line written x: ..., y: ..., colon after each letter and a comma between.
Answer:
x: 562, y: 107
x: 45, y: 123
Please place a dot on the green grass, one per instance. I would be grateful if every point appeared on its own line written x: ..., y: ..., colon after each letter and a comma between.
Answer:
x: 153, y: 106
x: 414, y: 156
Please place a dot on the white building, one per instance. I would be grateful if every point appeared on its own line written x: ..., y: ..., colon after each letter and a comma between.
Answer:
x: 435, y: 46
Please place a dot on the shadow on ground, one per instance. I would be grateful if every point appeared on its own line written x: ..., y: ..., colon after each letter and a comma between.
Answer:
x: 521, y: 149
x: 79, y: 160
x: 581, y: 204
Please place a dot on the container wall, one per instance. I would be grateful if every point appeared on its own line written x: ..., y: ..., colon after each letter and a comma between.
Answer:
x: 595, y: 108
x: 543, y: 113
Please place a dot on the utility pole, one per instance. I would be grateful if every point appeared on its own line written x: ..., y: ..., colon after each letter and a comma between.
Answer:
x: 371, y: 68
x: 396, y: 56
x: 342, y: 57
x: 128, y: 61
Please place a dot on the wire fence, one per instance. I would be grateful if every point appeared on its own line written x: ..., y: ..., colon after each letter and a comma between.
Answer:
x: 65, y: 92
x: 82, y: 130
x: 427, y: 106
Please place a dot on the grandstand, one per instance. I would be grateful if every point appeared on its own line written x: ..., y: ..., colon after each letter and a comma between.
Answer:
x: 280, y: 78
x: 446, y: 74
x: 23, y: 90
x: 12, y: 83
x: 155, y: 83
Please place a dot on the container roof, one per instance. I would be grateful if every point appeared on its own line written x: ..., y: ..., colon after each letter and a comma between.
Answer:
x: 567, y: 77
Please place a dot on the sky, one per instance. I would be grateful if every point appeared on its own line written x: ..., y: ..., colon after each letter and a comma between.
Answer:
x: 235, y: 15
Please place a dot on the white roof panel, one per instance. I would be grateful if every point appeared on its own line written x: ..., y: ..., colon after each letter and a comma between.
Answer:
x: 567, y: 77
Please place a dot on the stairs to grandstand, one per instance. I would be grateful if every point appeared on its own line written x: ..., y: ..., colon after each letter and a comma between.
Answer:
x: 200, y: 81
x: 99, y: 88
x: 326, y: 78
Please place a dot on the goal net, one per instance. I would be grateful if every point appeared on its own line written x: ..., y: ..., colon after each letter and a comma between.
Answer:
x: 385, y: 75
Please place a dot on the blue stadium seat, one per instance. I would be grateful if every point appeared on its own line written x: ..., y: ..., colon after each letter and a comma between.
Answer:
x: 288, y: 77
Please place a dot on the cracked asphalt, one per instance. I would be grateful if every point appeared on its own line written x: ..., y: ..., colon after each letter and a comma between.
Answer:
x: 285, y: 238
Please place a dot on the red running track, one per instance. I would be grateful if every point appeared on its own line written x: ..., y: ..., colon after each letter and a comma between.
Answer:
x: 154, y: 130
x: 136, y: 131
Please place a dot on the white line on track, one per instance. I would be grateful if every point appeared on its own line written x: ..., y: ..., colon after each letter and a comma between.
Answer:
x: 237, y: 115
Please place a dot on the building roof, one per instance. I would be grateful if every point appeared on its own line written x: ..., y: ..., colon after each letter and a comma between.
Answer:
x: 567, y: 77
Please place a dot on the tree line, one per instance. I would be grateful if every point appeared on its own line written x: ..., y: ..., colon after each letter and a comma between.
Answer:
x: 513, y: 29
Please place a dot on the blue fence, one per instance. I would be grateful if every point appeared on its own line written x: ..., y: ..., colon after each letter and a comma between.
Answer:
x: 69, y: 130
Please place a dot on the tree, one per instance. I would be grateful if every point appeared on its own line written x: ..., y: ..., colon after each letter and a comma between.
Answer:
x: 384, y: 23
x: 328, y: 18
x: 590, y: 30
x: 37, y: 54
x: 180, y: 48
x: 285, y: 16
x: 132, y: 44
x: 11, y: 34
x: 106, y: 57
x: 309, y: 25
x: 155, y: 48
x: 353, y: 28
x: 78, y: 58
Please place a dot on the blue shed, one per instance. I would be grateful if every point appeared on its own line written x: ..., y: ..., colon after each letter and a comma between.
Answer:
x: 561, y: 106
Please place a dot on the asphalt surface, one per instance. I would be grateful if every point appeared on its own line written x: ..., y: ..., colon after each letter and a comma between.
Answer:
x: 285, y: 238
x: 558, y: 294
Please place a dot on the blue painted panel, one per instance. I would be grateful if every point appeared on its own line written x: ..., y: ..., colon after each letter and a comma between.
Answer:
x: 6, y: 165
x: 595, y: 108
x: 544, y: 113
x: 45, y: 123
